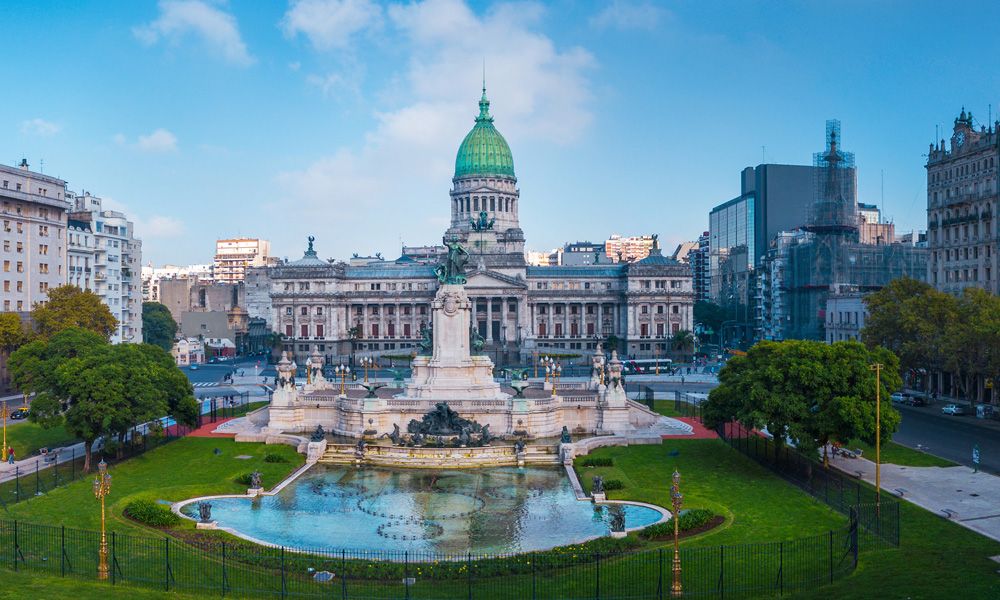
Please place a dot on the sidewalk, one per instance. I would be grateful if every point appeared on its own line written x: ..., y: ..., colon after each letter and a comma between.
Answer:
x: 26, y: 466
x: 955, y: 493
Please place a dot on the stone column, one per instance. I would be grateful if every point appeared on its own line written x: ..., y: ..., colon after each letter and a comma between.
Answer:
x: 552, y: 309
x: 565, y: 319
x: 489, y: 318
x: 599, y: 330
x: 365, y: 332
x: 399, y: 327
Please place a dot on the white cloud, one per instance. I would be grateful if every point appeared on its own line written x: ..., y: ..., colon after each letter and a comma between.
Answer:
x: 330, y: 23
x: 215, y: 27
x: 625, y: 14
x: 159, y: 227
x: 39, y: 127
x: 538, y: 92
x: 160, y: 140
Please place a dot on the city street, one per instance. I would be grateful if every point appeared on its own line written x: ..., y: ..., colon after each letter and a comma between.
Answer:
x: 949, y: 437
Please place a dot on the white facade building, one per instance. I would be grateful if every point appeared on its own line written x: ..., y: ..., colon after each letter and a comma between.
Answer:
x: 845, y: 316
x: 117, y: 256
x: 234, y: 256
x: 32, y: 237
x: 380, y: 307
x: 151, y: 277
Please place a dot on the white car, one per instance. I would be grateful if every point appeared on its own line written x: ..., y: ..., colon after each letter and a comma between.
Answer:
x: 898, y: 397
x: 953, y: 409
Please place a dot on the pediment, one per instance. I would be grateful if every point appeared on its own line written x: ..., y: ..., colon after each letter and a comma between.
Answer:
x: 486, y: 279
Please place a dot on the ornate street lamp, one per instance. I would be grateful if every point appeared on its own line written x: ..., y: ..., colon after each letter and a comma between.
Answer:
x: 368, y: 363
x: 555, y: 371
x: 547, y: 363
x: 342, y: 372
x: 877, y: 367
x: 102, y: 487
x: 676, y: 499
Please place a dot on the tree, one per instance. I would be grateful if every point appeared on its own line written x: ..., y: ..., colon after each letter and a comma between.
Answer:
x: 158, y: 325
x: 69, y: 306
x: 98, y: 389
x: 809, y: 392
x: 12, y: 334
x: 683, y: 342
x: 914, y: 321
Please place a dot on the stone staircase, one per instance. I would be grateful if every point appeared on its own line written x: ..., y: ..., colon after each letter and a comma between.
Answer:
x: 440, y: 458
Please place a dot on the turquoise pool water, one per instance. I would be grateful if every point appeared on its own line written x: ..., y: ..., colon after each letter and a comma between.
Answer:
x: 506, y: 509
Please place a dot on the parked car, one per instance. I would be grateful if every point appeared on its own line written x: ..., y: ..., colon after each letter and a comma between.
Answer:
x: 20, y: 413
x: 953, y: 409
x: 898, y: 397
x: 916, y: 400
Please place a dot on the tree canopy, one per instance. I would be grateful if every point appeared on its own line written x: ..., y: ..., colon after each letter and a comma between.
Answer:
x: 934, y: 331
x: 806, y: 391
x: 12, y: 332
x: 69, y: 306
x: 710, y: 315
x: 158, y: 325
x: 98, y: 389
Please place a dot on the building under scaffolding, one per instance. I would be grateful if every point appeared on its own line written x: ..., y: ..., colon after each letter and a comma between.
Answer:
x: 828, y: 254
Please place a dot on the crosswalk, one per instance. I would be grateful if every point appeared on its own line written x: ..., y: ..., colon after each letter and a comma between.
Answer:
x: 205, y: 384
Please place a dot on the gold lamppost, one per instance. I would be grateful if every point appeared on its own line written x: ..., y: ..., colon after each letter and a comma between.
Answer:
x: 368, y: 363
x: 877, y: 367
x: 102, y: 487
x: 556, y: 371
x: 342, y: 372
x: 534, y: 356
x: 676, y: 499
x: 547, y: 363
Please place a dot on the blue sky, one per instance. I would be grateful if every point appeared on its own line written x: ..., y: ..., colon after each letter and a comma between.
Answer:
x: 341, y: 118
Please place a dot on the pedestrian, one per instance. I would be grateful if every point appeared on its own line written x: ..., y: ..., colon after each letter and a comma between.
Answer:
x: 10, y: 456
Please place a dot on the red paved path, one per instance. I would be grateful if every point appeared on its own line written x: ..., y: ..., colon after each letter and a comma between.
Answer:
x: 700, y: 432
x: 206, y: 429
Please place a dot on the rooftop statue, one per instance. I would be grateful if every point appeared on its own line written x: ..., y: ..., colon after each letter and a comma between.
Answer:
x: 452, y: 272
x: 483, y: 223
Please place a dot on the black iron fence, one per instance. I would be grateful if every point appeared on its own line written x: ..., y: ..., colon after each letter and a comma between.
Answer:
x: 59, y: 467
x: 877, y: 515
x: 246, y: 570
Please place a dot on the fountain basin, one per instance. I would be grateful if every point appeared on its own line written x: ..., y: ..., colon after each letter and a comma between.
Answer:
x: 503, y: 509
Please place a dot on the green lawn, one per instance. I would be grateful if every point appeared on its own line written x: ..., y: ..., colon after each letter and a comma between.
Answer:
x: 665, y: 408
x: 178, y: 470
x: 31, y: 586
x: 757, y: 504
x: 898, y: 454
x: 26, y: 438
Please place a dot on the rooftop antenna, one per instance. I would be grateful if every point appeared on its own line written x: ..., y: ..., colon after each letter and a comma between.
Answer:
x: 484, y: 74
x: 41, y: 165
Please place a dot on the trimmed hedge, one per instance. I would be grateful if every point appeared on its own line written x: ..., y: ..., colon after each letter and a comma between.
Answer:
x: 243, y: 479
x: 613, y: 484
x: 273, y: 458
x: 151, y: 513
x: 690, y: 519
x: 598, y: 461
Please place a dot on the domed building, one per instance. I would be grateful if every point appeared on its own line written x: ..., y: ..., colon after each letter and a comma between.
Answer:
x: 373, y: 306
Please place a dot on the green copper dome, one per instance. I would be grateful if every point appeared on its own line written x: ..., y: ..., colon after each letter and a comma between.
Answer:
x: 484, y: 151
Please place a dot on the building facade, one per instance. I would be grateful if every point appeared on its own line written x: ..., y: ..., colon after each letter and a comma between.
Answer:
x: 33, y: 243
x: 628, y: 248
x: 337, y: 308
x: 234, y: 256
x: 845, y: 315
x: 107, y: 238
x: 962, y: 204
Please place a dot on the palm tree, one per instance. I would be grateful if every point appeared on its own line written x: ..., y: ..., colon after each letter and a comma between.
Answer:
x: 683, y: 342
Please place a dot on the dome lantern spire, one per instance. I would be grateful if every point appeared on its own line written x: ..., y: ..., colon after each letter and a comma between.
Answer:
x: 484, y: 151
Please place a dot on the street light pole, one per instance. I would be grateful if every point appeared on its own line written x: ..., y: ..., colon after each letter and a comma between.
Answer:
x: 676, y: 499
x: 3, y: 412
x: 877, y: 367
x: 102, y: 487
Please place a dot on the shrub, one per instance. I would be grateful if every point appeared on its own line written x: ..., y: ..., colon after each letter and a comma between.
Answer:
x: 613, y: 484
x: 243, y: 479
x: 598, y: 461
x: 690, y: 519
x: 149, y: 512
x: 271, y: 457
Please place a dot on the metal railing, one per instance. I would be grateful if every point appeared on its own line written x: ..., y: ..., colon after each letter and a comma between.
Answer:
x: 214, y: 567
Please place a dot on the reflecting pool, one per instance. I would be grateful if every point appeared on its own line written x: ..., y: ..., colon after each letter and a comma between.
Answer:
x: 505, y: 509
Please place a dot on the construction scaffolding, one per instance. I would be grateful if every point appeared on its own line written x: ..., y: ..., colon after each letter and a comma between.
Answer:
x: 831, y: 256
